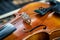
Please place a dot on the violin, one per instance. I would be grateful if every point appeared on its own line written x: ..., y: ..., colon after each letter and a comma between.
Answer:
x: 32, y: 23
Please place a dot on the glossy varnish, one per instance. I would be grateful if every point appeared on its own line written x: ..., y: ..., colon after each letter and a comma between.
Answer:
x: 50, y: 20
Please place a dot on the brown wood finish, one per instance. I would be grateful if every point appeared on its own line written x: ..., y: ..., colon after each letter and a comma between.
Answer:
x: 50, y: 20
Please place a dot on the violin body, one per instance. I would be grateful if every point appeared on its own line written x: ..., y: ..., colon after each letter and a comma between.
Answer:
x: 25, y: 30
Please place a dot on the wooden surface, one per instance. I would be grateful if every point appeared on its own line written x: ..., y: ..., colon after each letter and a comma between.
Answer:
x: 51, y: 20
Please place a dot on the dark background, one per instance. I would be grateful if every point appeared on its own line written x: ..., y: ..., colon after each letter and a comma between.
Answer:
x: 7, y: 6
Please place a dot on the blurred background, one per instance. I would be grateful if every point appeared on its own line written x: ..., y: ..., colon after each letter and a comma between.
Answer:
x: 9, y: 7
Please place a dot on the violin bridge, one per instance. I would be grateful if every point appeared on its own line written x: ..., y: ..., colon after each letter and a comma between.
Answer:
x: 26, y: 17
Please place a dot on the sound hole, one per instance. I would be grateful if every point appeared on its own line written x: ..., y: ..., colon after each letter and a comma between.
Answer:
x: 39, y: 36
